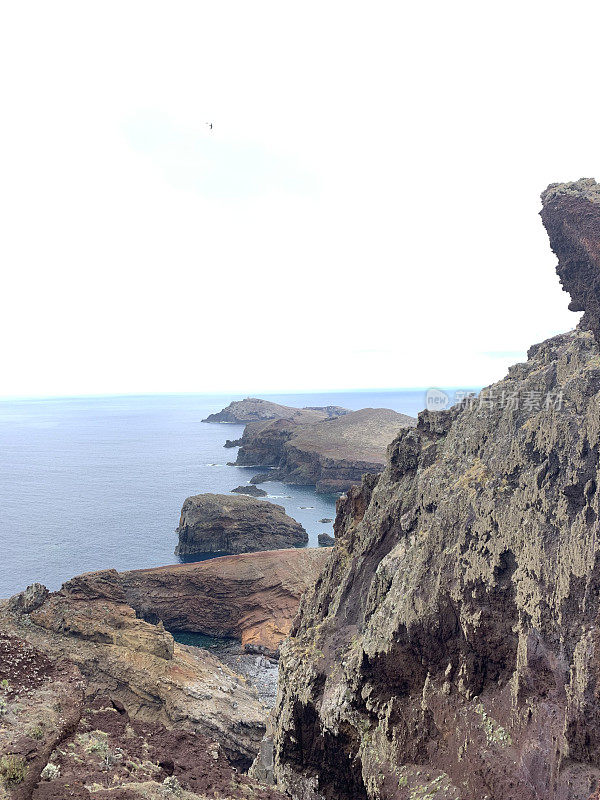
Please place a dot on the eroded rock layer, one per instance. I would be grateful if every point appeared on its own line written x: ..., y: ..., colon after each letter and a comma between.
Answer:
x: 451, y: 646
x: 253, y: 597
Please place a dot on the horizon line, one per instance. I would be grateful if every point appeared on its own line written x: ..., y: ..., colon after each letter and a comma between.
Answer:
x: 258, y: 395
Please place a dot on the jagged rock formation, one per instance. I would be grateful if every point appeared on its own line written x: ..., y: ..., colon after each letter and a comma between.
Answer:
x: 571, y: 214
x: 332, y: 454
x: 220, y: 523
x: 450, y: 648
x: 97, y: 703
x: 253, y: 597
x: 253, y: 409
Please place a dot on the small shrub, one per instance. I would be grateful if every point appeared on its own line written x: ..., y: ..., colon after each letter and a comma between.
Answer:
x: 12, y: 769
x: 37, y: 733
x: 50, y: 772
x: 3, y: 706
x: 5, y: 685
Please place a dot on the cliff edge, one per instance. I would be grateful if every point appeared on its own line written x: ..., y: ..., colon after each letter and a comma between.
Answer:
x: 451, y: 646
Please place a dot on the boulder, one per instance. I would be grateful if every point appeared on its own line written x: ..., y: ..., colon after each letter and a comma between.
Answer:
x: 220, y: 523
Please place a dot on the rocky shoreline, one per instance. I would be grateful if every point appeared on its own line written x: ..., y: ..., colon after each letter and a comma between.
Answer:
x: 332, y: 455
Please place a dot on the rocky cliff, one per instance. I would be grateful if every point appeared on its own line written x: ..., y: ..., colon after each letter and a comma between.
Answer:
x: 253, y: 409
x: 331, y: 454
x: 252, y: 597
x: 97, y: 703
x: 222, y: 523
x: 451, y: 646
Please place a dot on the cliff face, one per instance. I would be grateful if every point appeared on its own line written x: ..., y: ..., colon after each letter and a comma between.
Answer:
x: 450, y: 648
x: 331, y: 454
x: 222, y: 523
x: 253, y: 597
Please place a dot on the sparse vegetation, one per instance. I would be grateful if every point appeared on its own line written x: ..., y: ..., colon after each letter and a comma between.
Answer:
x: 13, y: 769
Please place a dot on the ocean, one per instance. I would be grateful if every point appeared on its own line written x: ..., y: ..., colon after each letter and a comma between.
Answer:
x: 97, y: 482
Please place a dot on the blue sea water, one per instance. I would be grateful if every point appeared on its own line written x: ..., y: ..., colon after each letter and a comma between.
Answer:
x: 97, y: 482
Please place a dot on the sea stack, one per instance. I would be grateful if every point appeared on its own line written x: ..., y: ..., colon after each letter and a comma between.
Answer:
x: 222, y: 523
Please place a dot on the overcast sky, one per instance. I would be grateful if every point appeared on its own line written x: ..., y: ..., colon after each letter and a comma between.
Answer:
x: 364, y: 212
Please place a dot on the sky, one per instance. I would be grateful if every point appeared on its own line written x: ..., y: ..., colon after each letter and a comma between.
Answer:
x: 363, y: 213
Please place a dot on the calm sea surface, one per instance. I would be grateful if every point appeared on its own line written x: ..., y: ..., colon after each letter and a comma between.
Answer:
x: 91, y: 483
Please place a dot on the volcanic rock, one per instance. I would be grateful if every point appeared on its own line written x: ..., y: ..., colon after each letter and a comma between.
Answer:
x: 325, y: 540
x: 325, y: 519
x: 331, y: 454
x: 220, y: 523
x: 253, y: 597
x: 251, y: 490
x: 232, y: 443
x: 68, y: 735
x: 451, y: 645
x: 252, y: 409
x: 88, y: 629
x: 571, y: 214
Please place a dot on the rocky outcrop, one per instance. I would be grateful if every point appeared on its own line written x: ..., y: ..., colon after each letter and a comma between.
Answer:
x: 451, y: 646
x: 253, y: 597
x: 332, y: 455
x: 97, y: 704
x: 253, y: 409
x: 88, y: 631
x: 571, y: 214
x: 250, y: 489
x: 325, y: 540
x: 220, y: 523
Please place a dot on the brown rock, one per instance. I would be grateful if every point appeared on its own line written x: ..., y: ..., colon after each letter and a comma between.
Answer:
x: 253, y: 597
x: 89, y: 624
x: 74, y: 739
x: 331, y: 454
x: 221, y: 523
